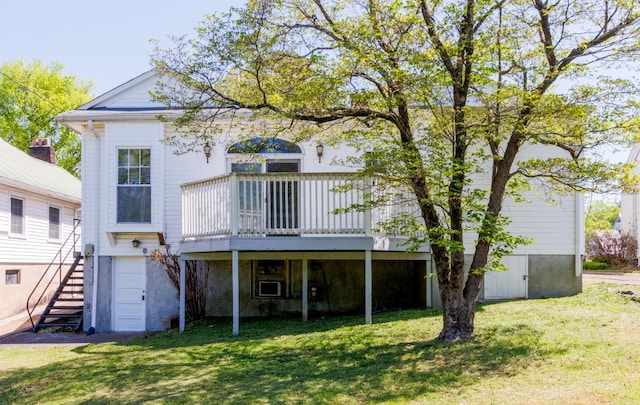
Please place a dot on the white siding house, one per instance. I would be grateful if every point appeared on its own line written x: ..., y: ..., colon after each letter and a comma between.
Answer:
x: 39, y: 205
x: 630, y: 202
x: 266, y: 231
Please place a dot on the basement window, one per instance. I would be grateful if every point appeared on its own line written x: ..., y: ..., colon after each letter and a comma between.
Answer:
x: 271, y: 278
x: 12, y: 277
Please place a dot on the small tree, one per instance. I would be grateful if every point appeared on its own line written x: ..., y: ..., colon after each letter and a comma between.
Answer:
x: 197, y: 275
x: 438, y: 92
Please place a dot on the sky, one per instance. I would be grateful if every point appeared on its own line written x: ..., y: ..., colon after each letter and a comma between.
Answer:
x: 106, y: 42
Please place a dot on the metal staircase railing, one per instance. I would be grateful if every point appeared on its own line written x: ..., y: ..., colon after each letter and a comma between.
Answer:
x: 64, y: 258
x: 66, y: 307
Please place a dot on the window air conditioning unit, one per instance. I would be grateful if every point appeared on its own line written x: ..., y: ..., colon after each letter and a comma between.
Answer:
x: 268, y: 288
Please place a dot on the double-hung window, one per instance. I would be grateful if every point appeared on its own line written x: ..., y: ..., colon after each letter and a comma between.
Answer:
x: 134, y: 186
x: 17, y: 216
x: 54, y: 223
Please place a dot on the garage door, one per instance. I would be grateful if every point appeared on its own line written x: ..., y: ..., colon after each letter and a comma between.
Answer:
x: 508, y: 284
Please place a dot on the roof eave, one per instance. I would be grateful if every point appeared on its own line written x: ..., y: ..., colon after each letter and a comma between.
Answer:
x: 37, y: 190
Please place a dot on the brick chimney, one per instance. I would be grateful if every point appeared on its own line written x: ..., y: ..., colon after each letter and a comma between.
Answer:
x: 42, y: 149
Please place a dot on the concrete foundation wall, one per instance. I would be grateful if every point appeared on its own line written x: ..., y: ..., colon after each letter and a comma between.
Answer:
x: 339, y: 286
x: 161, y: 299
x: 13, y: 298
x: 553, y: 276
x: 105, y: 294
x: 548, y: 276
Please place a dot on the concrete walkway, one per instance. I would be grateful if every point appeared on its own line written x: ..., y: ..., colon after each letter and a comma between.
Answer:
x: 17, y: 323
x: 614, y: 278
x: 16, y: 331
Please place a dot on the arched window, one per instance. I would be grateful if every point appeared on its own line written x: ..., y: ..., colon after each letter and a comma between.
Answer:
x: 264, y: 145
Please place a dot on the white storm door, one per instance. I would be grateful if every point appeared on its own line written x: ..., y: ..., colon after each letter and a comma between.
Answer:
x: 507, y: 284
x: 130, y: 294
x: 283, y: 197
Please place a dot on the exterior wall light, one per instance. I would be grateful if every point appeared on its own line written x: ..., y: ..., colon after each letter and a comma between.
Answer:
x: 319, y: 150
x: 207, y: 150
x: 135, y: 243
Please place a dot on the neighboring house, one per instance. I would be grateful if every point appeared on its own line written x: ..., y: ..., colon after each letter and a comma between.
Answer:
x: 630, y: 202
x: 39, y: 206
x: 266, y: 229
x: 617, y: 224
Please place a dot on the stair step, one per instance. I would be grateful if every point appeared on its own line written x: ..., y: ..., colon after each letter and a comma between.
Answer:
x: 59, y: 324
x: 61, y: 316
x: 67, y: 308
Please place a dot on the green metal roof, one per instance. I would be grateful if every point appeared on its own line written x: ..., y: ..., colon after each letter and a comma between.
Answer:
x: 21, y: 170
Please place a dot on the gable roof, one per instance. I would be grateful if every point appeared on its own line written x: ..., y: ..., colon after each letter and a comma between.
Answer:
x: 18, y: 169
x: 135, y: 90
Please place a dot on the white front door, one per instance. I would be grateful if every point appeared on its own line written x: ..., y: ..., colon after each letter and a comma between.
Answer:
x: 130, y: 294
x: 507, y: 284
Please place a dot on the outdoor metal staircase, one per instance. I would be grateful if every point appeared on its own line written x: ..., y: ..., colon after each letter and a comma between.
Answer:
x: 64, y: 308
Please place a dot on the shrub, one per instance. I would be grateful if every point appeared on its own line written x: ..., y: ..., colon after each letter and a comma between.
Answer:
x: 594, y: 265
x: 196, y: 275
x: 613, y: 248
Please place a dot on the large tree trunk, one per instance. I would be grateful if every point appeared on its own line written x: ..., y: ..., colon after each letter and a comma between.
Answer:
x: 459, y: 308
x: 458, y: 316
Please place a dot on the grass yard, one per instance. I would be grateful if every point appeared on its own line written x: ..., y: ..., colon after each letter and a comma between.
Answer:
x: 577, y: 350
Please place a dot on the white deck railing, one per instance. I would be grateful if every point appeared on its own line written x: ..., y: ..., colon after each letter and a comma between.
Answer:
x: 264, y: 204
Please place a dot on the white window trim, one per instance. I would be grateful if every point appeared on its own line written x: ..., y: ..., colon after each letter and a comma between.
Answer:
x: 12, y: 234
x: 152, y: 133
x: 60, y: 224
x: 19, y: 273
x: 150, y: 186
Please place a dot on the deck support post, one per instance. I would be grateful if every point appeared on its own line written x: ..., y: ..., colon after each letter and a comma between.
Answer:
x: 305, y: 289
x: 235, y: 291
x: 183, y: 293
x: 368, y: 288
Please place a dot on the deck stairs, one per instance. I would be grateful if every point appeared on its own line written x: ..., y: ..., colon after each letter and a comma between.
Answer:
x: 60, y: 289
x: 65, y: 309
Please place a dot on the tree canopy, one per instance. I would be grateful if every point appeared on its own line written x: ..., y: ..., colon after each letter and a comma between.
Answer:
x: 31, y: 95
x: 438, y: 92
x: 600, y: 216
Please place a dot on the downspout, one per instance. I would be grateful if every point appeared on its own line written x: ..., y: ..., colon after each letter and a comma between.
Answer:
x: 96, y: 254
x: 579, y: 248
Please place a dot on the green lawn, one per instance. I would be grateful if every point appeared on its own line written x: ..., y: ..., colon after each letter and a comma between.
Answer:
x: 582, y: 349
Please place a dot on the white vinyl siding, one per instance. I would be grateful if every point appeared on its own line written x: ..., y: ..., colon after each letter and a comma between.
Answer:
x: 129, y: 136
x: 34, y: 246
